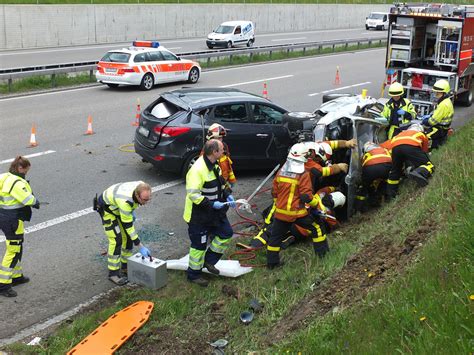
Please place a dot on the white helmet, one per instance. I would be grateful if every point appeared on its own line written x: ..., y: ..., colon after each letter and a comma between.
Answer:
x: 324, y: 152
x: 416, y: 127
x: 216, y: 131
x: 312, y: 146
x: 368, y: 146
x: 299, y: 152
x: 339, y: 198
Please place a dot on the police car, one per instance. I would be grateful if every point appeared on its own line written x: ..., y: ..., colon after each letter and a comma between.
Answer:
x: 146, y: 63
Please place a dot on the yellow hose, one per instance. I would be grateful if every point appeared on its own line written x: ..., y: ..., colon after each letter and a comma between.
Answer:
x: 125, y: 148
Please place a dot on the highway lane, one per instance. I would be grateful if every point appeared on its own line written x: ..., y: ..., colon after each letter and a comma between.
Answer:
x: 64, y: 260
x: 43, y: 56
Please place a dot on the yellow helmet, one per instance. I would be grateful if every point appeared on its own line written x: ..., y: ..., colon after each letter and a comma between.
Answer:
x: 441, y: 86
x: 396, y: 89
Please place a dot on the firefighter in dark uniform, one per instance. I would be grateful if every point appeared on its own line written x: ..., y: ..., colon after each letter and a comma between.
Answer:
x: 398, y: 110
x: 376, y: 165
x: 16, y: 200
x: 409, y: 147
x: 439, y: 122
x: 291, y: 190
x: 207, y: 199
x: 116, y: 207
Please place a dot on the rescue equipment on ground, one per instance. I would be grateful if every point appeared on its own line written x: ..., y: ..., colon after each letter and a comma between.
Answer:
x: 149, y: 272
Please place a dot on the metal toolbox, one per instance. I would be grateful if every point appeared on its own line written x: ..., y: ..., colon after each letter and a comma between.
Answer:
x: 149, y: 272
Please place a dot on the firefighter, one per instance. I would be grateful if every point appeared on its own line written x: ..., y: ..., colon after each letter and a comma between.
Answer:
x: 116, y: 206
x: 291, y: 191
x: 16, y: 200
x: 216, y: 131
x: 376, y: 165
x: 409, y: 147
x: 207, y: 200
x: 398, y: 110
x: 439, y: 121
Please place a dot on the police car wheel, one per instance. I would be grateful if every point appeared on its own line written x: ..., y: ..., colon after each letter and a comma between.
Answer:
x: 147, y: 82
x: 193, y: 75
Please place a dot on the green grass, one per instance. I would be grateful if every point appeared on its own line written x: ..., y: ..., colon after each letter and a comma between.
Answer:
x: 436, y: 285
x: 63, y: 80
x: 459, y: 2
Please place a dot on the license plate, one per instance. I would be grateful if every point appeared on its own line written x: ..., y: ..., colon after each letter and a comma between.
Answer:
x: 213, y: 42
x: 143, y: 131
x: 110, y: 70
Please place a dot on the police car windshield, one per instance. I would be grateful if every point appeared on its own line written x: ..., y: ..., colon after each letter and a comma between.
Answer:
x: 116, y: 57
x: 373, y: 16
x: 224, y: 29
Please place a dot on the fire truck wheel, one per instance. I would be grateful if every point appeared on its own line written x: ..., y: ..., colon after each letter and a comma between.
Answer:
x: 465, y: 99
x: 147, y: 82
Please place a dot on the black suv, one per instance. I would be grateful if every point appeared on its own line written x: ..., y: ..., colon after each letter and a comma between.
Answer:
x: 171, y: 130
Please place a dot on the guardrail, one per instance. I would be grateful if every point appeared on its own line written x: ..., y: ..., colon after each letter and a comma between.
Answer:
x: 19, y: 73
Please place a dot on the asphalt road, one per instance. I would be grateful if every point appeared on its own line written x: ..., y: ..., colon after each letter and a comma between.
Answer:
x: 63, y: 249
x: 44, y: 56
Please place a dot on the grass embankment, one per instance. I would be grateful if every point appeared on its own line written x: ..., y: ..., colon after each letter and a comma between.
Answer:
x: 396, y: 280
x: 65, y: 80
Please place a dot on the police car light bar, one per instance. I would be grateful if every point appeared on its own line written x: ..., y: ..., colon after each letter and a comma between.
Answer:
x: 151, y: 44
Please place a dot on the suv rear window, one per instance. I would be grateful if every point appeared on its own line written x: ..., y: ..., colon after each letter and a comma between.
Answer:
x: 164, y: 110
x: 116, y: 57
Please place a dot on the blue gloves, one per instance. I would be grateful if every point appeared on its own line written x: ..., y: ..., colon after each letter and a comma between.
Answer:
x: 134, y: 216
x: 145, y: 251
x: 401, y: 111
x: 231, y: 201
x: 425, y: 119
x: 217, y: 205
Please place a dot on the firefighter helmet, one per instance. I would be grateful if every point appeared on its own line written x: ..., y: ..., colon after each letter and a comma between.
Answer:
x: 216, y: 131
x: 368, y: 146
x: 299, y: 152
x: 326, y: 151
x: 441, y: 86
x: 396, y: 89
x: 416, y: 127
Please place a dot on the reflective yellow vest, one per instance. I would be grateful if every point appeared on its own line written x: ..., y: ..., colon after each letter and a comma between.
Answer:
x: 15, y: 194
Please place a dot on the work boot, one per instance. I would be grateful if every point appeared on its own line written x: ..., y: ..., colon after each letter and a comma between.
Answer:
x: 275, y: 266
x: 8, y: 292
x: 201, y: 281
x: 212, y: 268
x: 20, y: 280
x: 288, y: 241
x: 321, y: 248
x: 116, y: 279
x: 420, y: 180
x: 124, y: 272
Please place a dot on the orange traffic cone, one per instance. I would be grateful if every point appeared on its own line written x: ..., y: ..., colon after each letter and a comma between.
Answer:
x: 89, y: 126
x: 265, y: 92
x: 33, y: 142
x: 136, y: 123
x: 337, y: 79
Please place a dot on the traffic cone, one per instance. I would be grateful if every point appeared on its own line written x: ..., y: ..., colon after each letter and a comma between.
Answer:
x: 136, y: 123
x: 265, y: 92
x: 89, y: 126
x: 33, y: 142
x: 337, y: 79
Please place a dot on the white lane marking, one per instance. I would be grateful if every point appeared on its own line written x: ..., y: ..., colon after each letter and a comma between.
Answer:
x: 287, y: 39
x: 29, y: 156
x: 341, y: 88
x: 174, y: 48
x: 257, y: 81
x: 85, y: 211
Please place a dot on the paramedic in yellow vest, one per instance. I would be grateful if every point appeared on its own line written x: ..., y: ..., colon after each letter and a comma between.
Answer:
x: 398, y: 110
x: 439, y: 121
x: 116, y: 207
x: 16, y: 200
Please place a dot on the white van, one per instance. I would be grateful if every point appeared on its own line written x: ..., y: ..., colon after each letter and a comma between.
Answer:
x: 231, y: 33
x: 377, y: 20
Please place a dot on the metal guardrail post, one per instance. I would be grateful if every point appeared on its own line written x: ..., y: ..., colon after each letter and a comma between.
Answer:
x: 53, y: 80
x: 10, y: 85
x: 370, y: 43
x: 270, y: 54
x: 91, y: 75
x: 230, y: 59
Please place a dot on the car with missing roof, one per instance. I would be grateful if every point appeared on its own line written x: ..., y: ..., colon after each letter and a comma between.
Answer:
x: 172, y: 128
x: 145, y: 64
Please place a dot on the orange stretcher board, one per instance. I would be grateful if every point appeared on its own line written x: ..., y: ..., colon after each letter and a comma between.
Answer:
x: 111, y: 334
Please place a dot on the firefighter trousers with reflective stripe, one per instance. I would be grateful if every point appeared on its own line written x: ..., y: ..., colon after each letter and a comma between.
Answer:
x: 11, y: 263
x: 320, y: 243
x: 200, y: 253
x: 403, y: 156
x: 120, y: 244
x: 437, y: 135
x: 279, y: 229
x: 373, y: 186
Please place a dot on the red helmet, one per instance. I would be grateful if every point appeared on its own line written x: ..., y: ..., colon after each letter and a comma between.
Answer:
x: 216, y: 131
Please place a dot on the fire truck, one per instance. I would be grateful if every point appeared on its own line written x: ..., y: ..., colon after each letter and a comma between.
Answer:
x: 428, y: 42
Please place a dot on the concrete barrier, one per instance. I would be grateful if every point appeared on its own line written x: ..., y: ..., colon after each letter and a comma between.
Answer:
x: 36, y: 26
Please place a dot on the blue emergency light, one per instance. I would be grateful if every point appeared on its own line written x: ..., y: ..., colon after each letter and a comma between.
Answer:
x: 151, y: 44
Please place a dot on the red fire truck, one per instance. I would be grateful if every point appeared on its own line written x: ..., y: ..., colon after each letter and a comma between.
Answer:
x: 427, y: 42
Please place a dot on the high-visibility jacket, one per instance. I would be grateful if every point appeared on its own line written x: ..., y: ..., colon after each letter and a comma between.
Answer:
x: 443, y: 114
x: 291, y: 191
x: 376, y: 156
x: 313, y: 167
x: 120, y: 202
x: 409, y: 137
x: 225, y: 163
x: 390, y: 111
x: 15, y: 197
x: 204, y: 185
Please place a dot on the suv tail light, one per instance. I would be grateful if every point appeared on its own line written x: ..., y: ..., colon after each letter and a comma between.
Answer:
x: 167, y: 132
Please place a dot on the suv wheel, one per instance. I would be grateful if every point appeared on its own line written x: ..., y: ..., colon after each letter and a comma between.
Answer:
x: 189, y: 163
x: 193, y: 75
x: 147, y: 82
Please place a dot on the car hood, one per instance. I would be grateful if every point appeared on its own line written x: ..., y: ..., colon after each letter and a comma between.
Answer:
x: 217, y: 36
x: 346, y: 104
